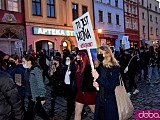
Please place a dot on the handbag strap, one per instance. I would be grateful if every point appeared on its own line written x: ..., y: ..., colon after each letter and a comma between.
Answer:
x: 120, y: 80
x: 131, y: 59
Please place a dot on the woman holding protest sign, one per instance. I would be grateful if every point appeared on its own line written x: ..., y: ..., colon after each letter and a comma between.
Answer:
x: 86, y: 93
x: 106, y: 78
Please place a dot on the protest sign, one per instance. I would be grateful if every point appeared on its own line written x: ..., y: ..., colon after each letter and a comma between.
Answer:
x: 84, y: 32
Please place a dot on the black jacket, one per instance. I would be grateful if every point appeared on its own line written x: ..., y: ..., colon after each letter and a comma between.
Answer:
x: 10, y: 103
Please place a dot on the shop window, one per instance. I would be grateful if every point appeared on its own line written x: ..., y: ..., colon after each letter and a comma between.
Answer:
x: 13, y: 5
x: 36, y: 7
x: 50, y: 8
x: 74, y: 11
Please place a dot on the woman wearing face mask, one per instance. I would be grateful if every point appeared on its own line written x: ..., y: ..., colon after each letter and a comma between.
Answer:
x: 36, y: 89
x: 17, y: 71
x: 86, y: 93
x: 57, y: 81
x: 106, y: 77
x: 69, y: 79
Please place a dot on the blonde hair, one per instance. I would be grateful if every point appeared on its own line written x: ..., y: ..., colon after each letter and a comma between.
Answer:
x: 109, y: 59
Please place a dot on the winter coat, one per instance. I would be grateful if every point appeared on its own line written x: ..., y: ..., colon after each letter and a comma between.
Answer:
x: 10, y: 102
x: 18, y: 69
x: 109, y: 81
x: 36, y: 83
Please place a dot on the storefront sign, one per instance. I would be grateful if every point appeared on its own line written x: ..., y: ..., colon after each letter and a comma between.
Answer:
x: 51, y: 31
x: 84, y: 32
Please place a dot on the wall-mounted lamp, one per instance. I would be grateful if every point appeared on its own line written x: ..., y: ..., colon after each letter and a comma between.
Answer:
x: 99, y: 30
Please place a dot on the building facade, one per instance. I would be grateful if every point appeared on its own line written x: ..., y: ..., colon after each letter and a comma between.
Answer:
x: 149, y: 16
x: 12, y: 30
x: 49, y: 23
x: 131, y: 14
x: 109, y: 22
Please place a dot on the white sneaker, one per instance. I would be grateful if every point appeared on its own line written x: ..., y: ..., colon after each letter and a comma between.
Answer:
x: 136, y: 91
x: 129, y: 94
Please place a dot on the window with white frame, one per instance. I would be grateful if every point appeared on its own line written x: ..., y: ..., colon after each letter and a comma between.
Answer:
x: 144, y: 28
x: 109, y: 18
x: 116, y: 3
x: 156, y: 8
x: 135, y: 24
x: 100, y: 16
x: 134, y: 10
x: 127, y: 8
x: 151, y: 18
x: 117, y: 20
x: 13, y: 5
x: 99, y: 0
x: 150, y: 6
x: 156, y: 19
x: 109, y: 2
x: 156, y: 31
x: 143, y: 15
x: 151, y: 30
x: 142, y: 2
x: 0, y: 4
x: 127, y: 23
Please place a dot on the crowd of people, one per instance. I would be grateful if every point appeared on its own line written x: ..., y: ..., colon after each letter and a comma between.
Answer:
x: 70, y: 76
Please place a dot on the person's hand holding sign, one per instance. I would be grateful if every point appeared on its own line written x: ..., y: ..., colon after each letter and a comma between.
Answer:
x: 95, y: 76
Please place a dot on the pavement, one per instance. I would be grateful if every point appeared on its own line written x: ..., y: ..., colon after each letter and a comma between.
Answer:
x: 147, y: 98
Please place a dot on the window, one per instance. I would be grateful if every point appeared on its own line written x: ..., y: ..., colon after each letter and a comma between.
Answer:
x: 99, y: 0
x: 127, y: 23
x: 135, y: 24
x: 134, y: 10
x: 151, y: 30
x: 84, y: 9
x: 127, y: 8
x: 143, y: 16
x: 50, y: 8
x: 117, y: 19
x: 156, y: 20
x: 100, y: 16
x: 13, y: 5
x: 151, y: 18
x: 150, y: 5
x: 156, y: 31
x: 116, y: 3
x: 142, y: 2
x: 109, y: 18
x: 0, y: 4
x: 156, y: 8
x: 144, y: 29
x: 74, y: 11
x: 109, y: 2
x: 36, y: 7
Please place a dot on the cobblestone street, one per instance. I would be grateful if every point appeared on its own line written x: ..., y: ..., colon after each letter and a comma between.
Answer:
x: 147, y: 98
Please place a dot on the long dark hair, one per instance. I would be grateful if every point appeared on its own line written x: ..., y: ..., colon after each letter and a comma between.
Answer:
x: 29, y: 57
x: 72, y: 62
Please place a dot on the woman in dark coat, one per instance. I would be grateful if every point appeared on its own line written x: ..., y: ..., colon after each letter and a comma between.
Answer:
x: 69, y: 80
x: 106, y: 78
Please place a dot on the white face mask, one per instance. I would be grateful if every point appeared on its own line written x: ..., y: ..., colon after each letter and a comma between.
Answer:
x: 25, y: 66
x: 67, y: 62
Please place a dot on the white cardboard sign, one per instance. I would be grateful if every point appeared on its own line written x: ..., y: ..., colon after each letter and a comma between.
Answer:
x: 84, y: 32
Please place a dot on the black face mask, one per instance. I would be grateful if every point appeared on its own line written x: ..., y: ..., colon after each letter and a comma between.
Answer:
x: 12, y: 64
x: 100, y: 57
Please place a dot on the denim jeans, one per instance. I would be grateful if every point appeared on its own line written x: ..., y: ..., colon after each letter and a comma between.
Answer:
x: 153, y: 70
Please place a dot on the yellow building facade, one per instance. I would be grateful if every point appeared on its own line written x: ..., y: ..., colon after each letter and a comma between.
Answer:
x: 49, y: 25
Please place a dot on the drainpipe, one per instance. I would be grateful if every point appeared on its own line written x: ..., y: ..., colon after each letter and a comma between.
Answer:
x: 148, y: 18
